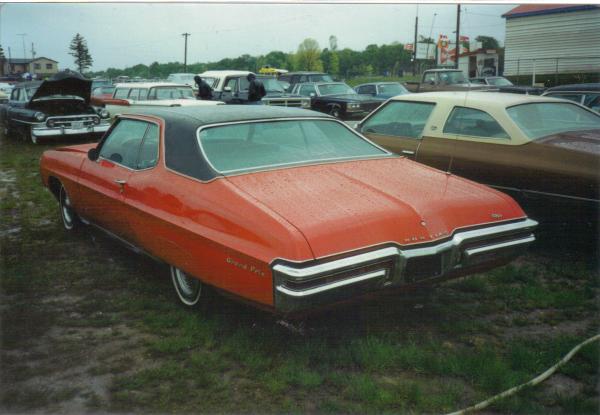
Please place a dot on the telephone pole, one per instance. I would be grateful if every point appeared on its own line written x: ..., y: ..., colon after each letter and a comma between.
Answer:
x: 185, y: 35
x: 32, y: 51
x: 415, y: 44
x: 457, y: 49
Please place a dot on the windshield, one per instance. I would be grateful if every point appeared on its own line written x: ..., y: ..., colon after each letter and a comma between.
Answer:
x: 335, y: 89
x: 392, y: 89
x: 271, y: 85
x: 499, y: 82
x: 169, y: 92
x: 320, y: 78
x: 267, y: 144
x: 451, y: 78
x: 538, y: 120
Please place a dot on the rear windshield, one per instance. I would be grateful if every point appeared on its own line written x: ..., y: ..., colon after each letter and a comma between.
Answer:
x: 538, y: 120
x: 267, y: 144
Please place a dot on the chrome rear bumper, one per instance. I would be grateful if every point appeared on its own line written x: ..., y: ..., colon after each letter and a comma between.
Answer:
x: 299, y: 286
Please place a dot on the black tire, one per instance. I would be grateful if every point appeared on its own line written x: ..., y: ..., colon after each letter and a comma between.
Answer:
x: 335, y: 111
x: 188, y: 289
x: 71, y: 221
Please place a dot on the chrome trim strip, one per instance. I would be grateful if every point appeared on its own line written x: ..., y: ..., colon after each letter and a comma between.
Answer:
x: 405, y: 252
x: 536, y: 192
x: 337, y: 284
x: 54, y: 131
x: 300, y: 273
x: 475, y: 251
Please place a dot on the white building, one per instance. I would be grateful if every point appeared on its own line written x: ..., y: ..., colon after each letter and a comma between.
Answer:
x: 552, y: 39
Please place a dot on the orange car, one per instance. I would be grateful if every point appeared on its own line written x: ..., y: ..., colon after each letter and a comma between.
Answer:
x: 288, y: 208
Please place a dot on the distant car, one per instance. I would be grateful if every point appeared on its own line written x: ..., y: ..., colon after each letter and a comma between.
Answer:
x: 584, y: 94
x: 134, y: 97
x: 381, y: 90
x: 491, y: 80
x: 231, y: 87
x: 182, y: 78
x: 337, y: 99
x: 57, y: 107
x: 98, y: 82
x: 286, y: 208
x: 543, y: 151
x: 6, y: 87
x: 103, y: 91
x: 293, y: 78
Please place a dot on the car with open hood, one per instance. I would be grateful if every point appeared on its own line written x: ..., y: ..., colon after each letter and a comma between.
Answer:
x: 57, y: 107
x: 543, y: 151
x: 286, y: 208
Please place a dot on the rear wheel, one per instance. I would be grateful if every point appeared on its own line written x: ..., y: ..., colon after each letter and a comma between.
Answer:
x: 67, y: 213
x: 188, y: 289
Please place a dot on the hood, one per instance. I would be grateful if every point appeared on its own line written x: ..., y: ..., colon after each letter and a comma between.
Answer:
x: 345, y: 206
x: 65, y: 83
x: 587, y: 141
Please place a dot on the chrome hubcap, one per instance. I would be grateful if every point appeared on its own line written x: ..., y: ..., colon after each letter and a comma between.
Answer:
x: 66, y: 210
x: 187, y: 288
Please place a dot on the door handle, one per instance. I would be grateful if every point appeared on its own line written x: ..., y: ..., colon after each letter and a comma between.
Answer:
x: 121, y: 184
x: 409, y: 152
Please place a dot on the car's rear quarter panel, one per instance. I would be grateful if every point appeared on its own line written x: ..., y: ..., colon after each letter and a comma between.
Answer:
x: 213, y: 231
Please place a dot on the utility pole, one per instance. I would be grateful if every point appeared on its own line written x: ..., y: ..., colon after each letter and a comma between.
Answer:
x: 415, y: 44
x: 185, y: 35
x: 23, y: 39
x: 457, y: 49
x: 32, y: 51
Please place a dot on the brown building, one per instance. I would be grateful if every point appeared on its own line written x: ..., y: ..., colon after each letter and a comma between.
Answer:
x: 40, y: 67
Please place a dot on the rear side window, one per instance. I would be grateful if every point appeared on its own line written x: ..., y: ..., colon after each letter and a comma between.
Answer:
x: 399, y: 119
x: 121, y: 93
x: 472, y: 122
x: 123, y: 144
x: 367, y: 89
x: 149, y: 149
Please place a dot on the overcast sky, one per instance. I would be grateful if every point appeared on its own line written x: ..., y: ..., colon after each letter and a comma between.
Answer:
x: 121, y: 35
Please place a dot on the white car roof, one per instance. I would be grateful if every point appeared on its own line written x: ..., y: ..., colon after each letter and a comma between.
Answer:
x: 149, y: 85
x: 216, y: 74
x: 476, y: 99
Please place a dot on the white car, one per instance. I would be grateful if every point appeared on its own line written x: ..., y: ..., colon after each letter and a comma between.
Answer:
x: 132, y: 97
x: 6, y: 88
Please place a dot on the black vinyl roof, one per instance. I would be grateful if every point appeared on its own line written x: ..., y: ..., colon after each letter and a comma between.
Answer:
x: 198, y: 116
x: 595, y: 87
x: 182, y: 152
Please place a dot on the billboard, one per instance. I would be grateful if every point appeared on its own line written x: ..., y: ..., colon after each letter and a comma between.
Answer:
x: 426, y: 51
x: 447, y: 50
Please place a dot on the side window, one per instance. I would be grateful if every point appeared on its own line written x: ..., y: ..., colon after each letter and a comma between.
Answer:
x: 15, y: 94
x: 123, y: 144
x: 149, y: 148
x: 400, y: 119
x: 369, y: 89
x: 429, y: 78
x: 134, y: 94
x: 143, y: 95
x: 472, y: 122
x: 306, y: 90
x: 231, y: 83
x: 592, y: 101
x: 303, y: 78
x: 121, y: 93
x: 571, y: 97
x: 244, y: 84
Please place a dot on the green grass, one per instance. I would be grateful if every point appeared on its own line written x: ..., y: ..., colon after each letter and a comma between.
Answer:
x: 83, y: 301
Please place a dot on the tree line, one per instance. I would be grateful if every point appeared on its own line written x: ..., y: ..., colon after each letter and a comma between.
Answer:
x: 390, y: 60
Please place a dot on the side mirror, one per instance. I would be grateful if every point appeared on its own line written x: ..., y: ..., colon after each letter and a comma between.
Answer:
x: 227, y: 89
x: 93, y: 154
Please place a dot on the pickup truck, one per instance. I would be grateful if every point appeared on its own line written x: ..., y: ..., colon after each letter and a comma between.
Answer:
x: 443, y: 80
x: 231, y: 87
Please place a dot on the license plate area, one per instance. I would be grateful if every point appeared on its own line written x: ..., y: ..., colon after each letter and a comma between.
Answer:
x: 423, y: 267
x: 77, y: 125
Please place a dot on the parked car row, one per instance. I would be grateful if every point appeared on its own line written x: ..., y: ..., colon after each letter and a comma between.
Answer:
x: 292, y: 209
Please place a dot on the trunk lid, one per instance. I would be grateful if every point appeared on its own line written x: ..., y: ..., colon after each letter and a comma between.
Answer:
x: 350, y: 205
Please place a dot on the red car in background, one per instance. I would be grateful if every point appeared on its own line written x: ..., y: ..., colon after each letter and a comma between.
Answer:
x: 287, y: 208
